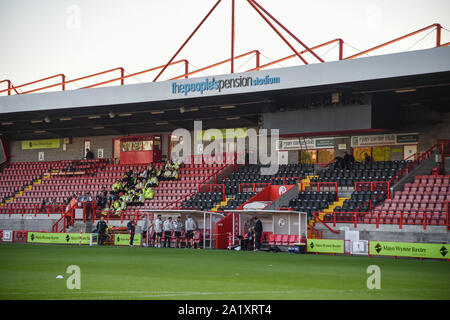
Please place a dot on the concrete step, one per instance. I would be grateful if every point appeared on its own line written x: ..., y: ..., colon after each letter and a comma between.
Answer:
x: 331, y: 207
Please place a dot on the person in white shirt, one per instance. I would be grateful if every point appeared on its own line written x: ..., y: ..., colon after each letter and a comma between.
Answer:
x: 168, y: 227
x: 157, y: 227
x: 144, y: 231
x: 190, y: 227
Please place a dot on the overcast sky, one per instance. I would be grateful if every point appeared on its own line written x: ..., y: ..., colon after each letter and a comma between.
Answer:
x: 40, y: 38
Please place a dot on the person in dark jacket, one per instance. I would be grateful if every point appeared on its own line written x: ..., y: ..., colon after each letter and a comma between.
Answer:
x: 89, y: 155
x: 101, y: 230
x: 131, y: 226
x: 258, y: 229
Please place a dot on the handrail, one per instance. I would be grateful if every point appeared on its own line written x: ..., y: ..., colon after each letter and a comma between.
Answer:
x: 317, y: 232
x: 327, y: 164
x: 253, y: 185
x: 299, y: 179
x: 186, y: 63
x: 356, y: 216
x: 316, y: 218
x: 10, y: 86
x: 370, y: 203
x: 341, y: 42
x: 220, y: 63
x: 63, y: 77
x: 122, y: 70
x: 411, y: 156
x: 258, y: 67
x: 438, y: 39
x: 423, y: 156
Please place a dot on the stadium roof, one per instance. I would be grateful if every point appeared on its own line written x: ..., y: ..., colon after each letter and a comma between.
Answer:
x: 233, y: 100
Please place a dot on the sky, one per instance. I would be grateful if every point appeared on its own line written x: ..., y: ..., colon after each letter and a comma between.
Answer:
x: 40, y: 38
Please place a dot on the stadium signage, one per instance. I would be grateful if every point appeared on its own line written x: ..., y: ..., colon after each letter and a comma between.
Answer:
x: 325, y: 246
x: 41, y: 144
x: 305, y: 144
x: 67, y: 238
x: 384, y: 139
x: 124, y: 240
x: 211, y: 84
x: 408, y: 249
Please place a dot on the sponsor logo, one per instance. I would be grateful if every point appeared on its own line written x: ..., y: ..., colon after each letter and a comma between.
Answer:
x: 211, y: 84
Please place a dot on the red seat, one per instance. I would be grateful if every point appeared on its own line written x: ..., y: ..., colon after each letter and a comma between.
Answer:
x: 278, y: 239
x: 285, y: 239
x: 271, y: 239
x: 293, y: 239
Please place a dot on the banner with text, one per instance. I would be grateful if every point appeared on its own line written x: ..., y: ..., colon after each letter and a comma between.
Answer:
x: 325, y: 246
x: 68, y: 238
x: 408, y: 249
x: 124, y: 240
x: 41, y: 144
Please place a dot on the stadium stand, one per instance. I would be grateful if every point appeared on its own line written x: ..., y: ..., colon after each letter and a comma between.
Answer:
x: 360, y: 171
x: 311, y: 201
x: 424, y: 199
x: 170, y: 194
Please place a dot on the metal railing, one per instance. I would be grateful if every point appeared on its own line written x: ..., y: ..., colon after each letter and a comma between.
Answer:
x: 260, y: 10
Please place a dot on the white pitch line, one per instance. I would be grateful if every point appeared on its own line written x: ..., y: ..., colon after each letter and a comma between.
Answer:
x: 154, y: 294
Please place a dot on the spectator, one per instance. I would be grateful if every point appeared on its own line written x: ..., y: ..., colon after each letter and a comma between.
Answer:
x: 258, y: 228
x: 143, y: 174
x: 89, y: 155
x: 367, y: 158
x: 82, y: 197
x: 99, y: 198
x: 168, y: 227
x: 105, y: 210
x: 338, y: 163
x: 72, y: 204
x: 190, y: 227
x: 348, y: 161
x: 110, y: 197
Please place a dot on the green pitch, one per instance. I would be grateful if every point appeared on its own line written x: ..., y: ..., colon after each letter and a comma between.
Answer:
x: 30, y: 271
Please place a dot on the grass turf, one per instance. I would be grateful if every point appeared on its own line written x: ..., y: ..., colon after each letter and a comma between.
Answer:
x: 29, y: 272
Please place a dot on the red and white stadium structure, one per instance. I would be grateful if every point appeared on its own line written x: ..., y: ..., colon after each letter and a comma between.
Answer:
x: 392, y: 107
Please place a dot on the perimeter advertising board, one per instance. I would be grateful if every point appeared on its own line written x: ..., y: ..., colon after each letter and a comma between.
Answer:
x: 67, y: 238
x: 408, y: 249
x: 124, y: 240
x: 325, y: 246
